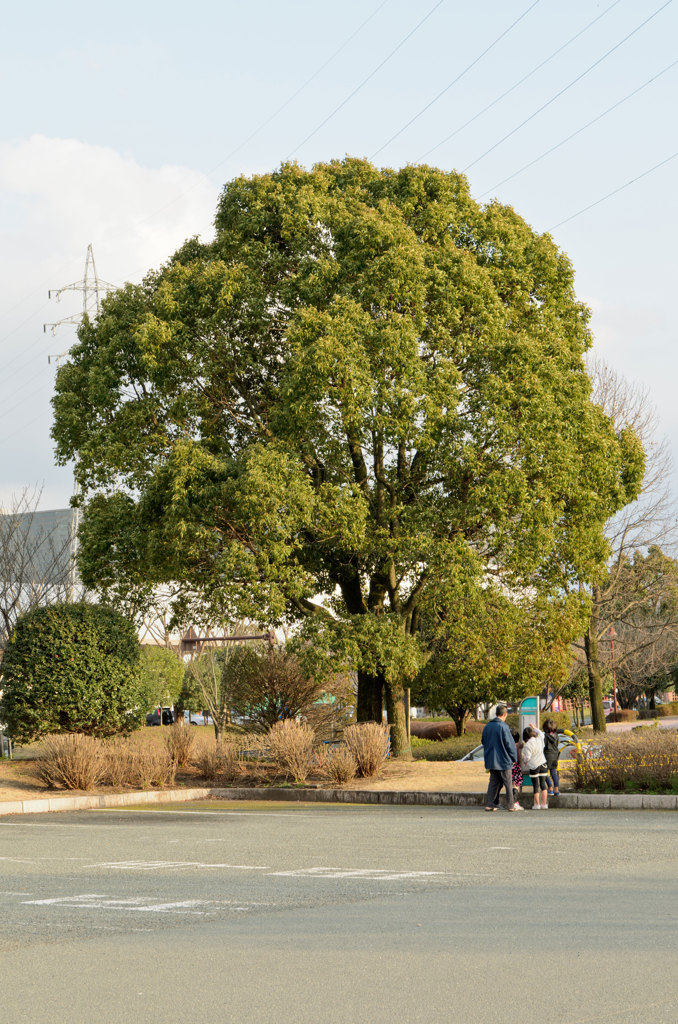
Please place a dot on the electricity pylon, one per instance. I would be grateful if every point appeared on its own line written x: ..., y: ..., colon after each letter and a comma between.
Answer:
x: 93, y: 290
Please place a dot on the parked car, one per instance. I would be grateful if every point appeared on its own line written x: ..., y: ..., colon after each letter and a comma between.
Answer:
x: 197, y: 718
x: 153, y: 718
x: 567, y: 749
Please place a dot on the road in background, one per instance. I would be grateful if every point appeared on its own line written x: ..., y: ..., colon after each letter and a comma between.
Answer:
x: 340, y: 914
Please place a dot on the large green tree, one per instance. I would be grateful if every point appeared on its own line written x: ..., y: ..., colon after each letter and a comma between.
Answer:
x: 367, y: 382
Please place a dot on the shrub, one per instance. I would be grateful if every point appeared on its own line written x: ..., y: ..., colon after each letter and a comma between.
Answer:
x: 623, y: 715
x: 152, y: 766
x: 208, y: 761
x: 442, y: 730
x: 640, y: 761
x: 71, y: 668
x: 229, y: 763
x: 138, y: 763
x: 72, y: 761
x: 369, y: 743
x: 118, y: 763
x: 339, y: 765
x: 433, y: 730
x: 444, y: 750
x: 219, y: 759
x: 180, y: 741
x: 291, y: 745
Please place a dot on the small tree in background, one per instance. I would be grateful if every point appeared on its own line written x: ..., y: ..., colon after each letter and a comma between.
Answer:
x: 71, y: 668
x: 206, y: 687
x: 269, y: 684
x: 162, y: 676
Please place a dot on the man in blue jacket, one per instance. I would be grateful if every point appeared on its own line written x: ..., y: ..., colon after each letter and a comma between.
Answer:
x: 500, y: 754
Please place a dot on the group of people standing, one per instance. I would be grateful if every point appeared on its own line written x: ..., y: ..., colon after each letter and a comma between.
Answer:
x: 508, y: 759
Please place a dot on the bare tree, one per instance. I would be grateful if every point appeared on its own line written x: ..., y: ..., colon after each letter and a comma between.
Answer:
x: 36, y: 558
x: 649, y: 522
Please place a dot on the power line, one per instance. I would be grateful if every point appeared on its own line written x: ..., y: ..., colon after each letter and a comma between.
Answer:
x: 365, y: 80
x: 205, y: 174
x: 24, y: 426
x: 615, y: 191
x: 454, y: 80
x: 267, y: 121
x: 27, y: 399
x: 579, y: 130
x: 520, y: 81
x: 300, y: 89
x: 569, y: 86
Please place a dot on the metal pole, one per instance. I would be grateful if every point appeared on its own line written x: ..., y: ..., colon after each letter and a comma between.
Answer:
x: 612, y: 634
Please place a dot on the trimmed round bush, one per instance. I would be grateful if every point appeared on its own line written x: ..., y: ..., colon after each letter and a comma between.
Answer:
x: 623, y: 715
x: 71, y: 668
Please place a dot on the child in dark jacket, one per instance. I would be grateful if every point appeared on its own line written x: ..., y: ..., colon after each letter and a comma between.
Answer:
x: 516, y: 771
x: 552, y: 753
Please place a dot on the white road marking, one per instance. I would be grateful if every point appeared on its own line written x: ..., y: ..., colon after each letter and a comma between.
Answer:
x: 19, y: 860
x: 369, y: 874
x: 142, y: 904
x: 158, y: 865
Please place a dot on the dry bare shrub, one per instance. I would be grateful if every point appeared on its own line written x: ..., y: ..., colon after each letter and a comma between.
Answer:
x: 291, y: 746
x: 207, y: 761
x: 71, y: 760
x: 219, y: 760
x: 645, y: 760
x: 180, y: 743
x: 338, y: 764
x: 368, y: 742
x: 151, y: 765
x: 118, y: 763
x: 230, y: 767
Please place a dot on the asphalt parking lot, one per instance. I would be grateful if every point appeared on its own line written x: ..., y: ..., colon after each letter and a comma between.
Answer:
x: 341, y: 913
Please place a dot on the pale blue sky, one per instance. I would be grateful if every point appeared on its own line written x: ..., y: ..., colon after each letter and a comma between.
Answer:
x: 120, y: 124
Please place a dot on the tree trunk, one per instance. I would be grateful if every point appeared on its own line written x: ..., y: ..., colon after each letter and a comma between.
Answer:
x: 395, y: 708
x: 458, y: 716
x: 370, y: 697
x: 593, y: 667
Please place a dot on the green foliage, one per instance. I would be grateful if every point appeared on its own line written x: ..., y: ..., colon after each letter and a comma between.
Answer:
x: 71, y: 668
x: 488, y: 648
x: 451, y: 749
x: 366, y: 386
x: 162, y: 676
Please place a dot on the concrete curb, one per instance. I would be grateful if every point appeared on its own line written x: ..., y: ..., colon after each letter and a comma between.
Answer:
x: 566, y: 801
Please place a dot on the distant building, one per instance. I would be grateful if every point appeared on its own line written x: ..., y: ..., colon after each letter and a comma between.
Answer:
x: 37, y: 545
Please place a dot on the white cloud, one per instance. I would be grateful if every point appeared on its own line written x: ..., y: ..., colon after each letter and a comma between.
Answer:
x: 57, y: 196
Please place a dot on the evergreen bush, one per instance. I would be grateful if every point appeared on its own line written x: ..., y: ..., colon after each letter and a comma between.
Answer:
x: 71, y: 668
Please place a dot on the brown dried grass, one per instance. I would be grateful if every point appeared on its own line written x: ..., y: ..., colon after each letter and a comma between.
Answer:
x: 291, y: 745
x: 72, y: 761
x: 644, y: 760
x: 180, y: 742
x: 368, y: 743
x: 338, y: 764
